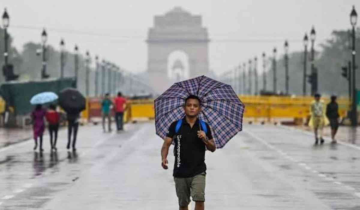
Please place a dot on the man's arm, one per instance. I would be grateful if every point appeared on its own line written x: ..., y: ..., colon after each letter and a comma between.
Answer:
x: 209, y: 143
x: 165, y: 152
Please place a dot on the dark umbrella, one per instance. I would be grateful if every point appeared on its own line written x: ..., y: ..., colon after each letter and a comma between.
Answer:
x: 72, y: 101
x: 221, y: 107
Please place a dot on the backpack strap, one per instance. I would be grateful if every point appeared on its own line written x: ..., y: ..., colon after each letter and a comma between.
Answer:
x: 178, y: 126
x: 203, y: 126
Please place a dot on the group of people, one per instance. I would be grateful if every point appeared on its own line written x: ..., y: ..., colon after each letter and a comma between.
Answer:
x: 53, y: 117
x: 40, y: 115
x: 322, y: 115
x: 119, y: 107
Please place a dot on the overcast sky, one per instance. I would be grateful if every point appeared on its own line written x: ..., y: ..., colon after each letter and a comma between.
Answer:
x: 117, y: 30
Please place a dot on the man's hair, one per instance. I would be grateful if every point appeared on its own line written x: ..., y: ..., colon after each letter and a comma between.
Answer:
x: 107, y: 94
x: 333, y: 98
x: 317, y: 95
x: 119, y: 94
x: 192, y: 97
x: 52, y: 106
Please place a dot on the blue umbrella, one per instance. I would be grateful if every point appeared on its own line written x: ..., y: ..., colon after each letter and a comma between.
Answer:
x: 221, y: 107
x: 43, y: 98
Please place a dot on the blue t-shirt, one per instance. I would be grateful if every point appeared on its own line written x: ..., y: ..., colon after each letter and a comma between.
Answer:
x: 106, y: 103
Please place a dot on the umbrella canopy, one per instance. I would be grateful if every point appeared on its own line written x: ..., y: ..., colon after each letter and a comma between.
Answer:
x: 221, y: 107
x: 71, y: 100
x: 43, y: 98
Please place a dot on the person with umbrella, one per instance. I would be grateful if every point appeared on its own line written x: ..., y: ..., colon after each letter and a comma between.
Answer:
x: 73, y: 102
x: 195, y: 115
x: 190, y: 143
x: 38, y: 115
x: 53, y: 118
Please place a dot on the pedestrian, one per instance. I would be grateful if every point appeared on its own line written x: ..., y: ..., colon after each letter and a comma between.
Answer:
x: 53, y: 118
x: 120, y: 107
x: 318, y: 118
x: 106, y: 111
x: 38, y: 121
x: 191, y: 137
x: 332, y: 113
x: 73, y: 125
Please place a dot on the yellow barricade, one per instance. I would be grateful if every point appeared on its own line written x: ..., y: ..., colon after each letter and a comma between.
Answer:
x: 268, y: 107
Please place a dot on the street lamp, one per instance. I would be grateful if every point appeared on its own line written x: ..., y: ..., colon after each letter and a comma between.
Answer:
x: 44, y: 38
x: 62, y: 49
x: 244, y: 78
x: 286, y: 60
x: 87, y: 64
x: 353, y: 21
x: 96, y: 76
x: 76, y: 62
x: 306, y: 43
x: 256, y: 75
x: 109, y: 67
x: 103, y: 63
x: 264, y: 71
x: 6, y: 23
x: 274, y: 70
x: 313, y: 76
x: 250, y: 78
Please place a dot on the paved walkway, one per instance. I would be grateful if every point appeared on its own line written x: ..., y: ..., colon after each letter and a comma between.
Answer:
x: 262, y: 168
x: 10, y: 136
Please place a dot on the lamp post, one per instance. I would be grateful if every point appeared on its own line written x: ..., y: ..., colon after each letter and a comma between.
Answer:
x: 250, y: 77
x: 353, y: 21
x: 96, y: 76
x: 76, y: 62
x: 313, y: 76
x: 264, y: 71
x: 286, y: 60
x: 274, y: 70
x: 256, y: 75
x: 103, y: 63
x: 6, y: 23
x: 44, y: 38
x: 87, y: 64
x: 109, y: 67
x: 244, y: 78
x: 306, y: 42
x: 115, y: 69
x: 62, y: 49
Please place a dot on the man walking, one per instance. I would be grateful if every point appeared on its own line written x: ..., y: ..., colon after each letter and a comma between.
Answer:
x: 120, y: 106
x: 317, y: 121
x: 106, y: 111
x: 191, y: 137
x: 332, y: 113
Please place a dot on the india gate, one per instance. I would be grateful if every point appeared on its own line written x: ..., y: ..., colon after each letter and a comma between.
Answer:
x: 177, y: 48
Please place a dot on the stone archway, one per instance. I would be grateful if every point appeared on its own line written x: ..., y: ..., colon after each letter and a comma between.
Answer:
x: 176, y: 31
x: 178, y: 66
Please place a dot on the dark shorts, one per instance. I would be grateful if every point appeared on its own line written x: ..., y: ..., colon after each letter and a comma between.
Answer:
x: 192, y: 186
x: 334, y: 124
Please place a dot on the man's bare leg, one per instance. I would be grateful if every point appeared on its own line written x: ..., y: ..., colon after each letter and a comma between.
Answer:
x: 199, y: 205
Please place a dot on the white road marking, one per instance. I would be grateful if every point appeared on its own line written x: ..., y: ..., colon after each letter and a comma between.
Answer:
x: 326, y: 138
x: 7, y: 197
x: 330, y: 179
x: 349, y: 188
x: 19, y: 191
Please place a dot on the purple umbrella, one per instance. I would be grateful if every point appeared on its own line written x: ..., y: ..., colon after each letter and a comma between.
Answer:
x: 221, y: 107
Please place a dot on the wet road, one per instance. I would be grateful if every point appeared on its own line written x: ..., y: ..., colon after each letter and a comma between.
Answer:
x: 264, y: 167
